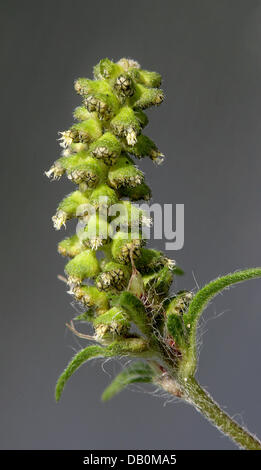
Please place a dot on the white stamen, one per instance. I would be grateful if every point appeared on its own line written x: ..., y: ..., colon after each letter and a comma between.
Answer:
x: 131, y: 137
x: 66, y: 139
x: 59, y: 220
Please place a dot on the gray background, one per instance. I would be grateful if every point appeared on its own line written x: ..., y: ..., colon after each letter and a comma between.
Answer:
x: 208, y: 52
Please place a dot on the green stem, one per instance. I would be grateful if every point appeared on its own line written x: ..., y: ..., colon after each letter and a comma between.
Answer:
x: 194, y: 394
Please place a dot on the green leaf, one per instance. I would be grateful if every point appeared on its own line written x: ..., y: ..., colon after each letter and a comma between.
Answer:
x: 134, y: 346
x: 80, y: 358
x: 136, y: 311
x: 177, y: 329
x: 199, y: 303
x: 178, y: 271
x: 204, y: 295
x: 137, y: 372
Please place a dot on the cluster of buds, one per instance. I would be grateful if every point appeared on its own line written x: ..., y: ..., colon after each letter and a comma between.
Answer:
x: 104, y: 266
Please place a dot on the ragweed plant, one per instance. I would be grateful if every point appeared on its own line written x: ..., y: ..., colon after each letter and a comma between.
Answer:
x: 122, y: 285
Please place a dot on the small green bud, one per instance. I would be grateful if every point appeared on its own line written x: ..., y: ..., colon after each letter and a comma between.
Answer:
x: 91, y: 297
x: 149, y: 79
x: 103, y: 196
x: 106, y: 69
x: 89, y: 171
x: 150, y: 260
x: 110, y: 324
x: 75, y: 147
x: 96, y: 233
x: 125, y: 173
x: 138, y: 193
x: 125, y: 124
x: 126, y: 246
x: 85, y: 86
x: 82, y: 114
x: 105, y: 105
x: 124, y: 86
x: 70, y: 246
x: 98, y: 97
x: 145, y: 97
x: 130, y: 216
x: 83, y: 266
x: 114, y: 276
x: 106, y: 148
x: 83, y: 132
x: 67, y: 208
x: 145, y: 147
x: 86, y: 131
x: 127, y: 64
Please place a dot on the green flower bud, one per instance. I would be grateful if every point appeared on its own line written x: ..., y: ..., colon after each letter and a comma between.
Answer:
x: 149, y: 79
x: 91, y: 297
x: 82, y: 266
x: 106, y: 148
x: 89, y: 171
x: 138, y: 193
x: 99, y: 97
x: 70, y: 246
x: 150, y: 260
x: 106, y: 69
x: 145, y: 97
x: 145, y: 147
x: 125, y: 173
x: 112, y: 323
x: 126, y: 245
x: 105, y: 105
x: 114, y: 276
x: 124, y: 86
x: 74, y: 148
x: 82, y: 114
x: 130, y: 216
x: 86, y: 131
x: 85, y: 86
x: 127, y: 64
x: 96, y: 233
x: 103, y: 196
x: 67, y: 208
x: 125, y: 124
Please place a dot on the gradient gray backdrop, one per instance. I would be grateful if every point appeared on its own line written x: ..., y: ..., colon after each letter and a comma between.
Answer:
x: 208, y: 52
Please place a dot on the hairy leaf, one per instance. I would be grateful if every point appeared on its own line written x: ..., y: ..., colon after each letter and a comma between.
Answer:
x: 137, y: 372
x: 135, y: 309
x: 199, y: 303
x: 177, y: 329
x: 80, y: 358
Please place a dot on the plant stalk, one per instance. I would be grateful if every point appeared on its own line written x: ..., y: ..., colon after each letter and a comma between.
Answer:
x: 194, y: 394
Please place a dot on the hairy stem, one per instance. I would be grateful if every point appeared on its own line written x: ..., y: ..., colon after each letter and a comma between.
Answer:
x: 194, y: 394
